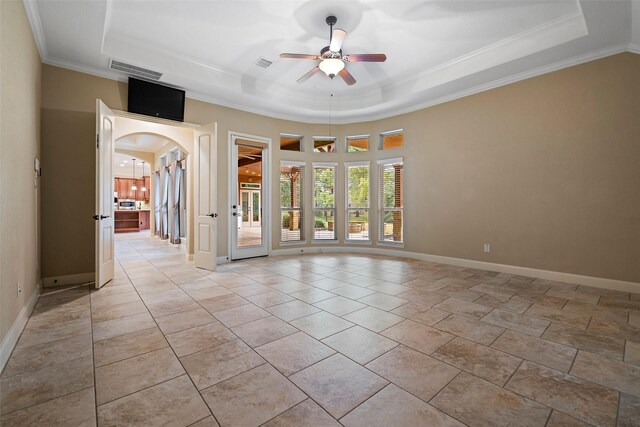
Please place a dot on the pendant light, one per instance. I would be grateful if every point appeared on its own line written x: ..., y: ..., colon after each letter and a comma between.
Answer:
x: 133, y: 187
x: 143, y: 188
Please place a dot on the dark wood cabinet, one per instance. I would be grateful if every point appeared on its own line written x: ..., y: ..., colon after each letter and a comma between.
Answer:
x: 132, y: 221
x: 123, y: 187
x: 145, y: 219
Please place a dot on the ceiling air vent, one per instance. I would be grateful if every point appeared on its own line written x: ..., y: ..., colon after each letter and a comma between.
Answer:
x: 262, y: 62
x: 135, y: 71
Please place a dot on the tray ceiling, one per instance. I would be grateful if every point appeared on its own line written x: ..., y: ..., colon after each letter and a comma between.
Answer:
x: 436, y: 50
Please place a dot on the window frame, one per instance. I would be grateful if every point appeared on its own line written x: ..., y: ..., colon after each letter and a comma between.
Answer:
x: 291, y: 135
x: 324, y: 165
x: 364, y: 136
x: 302, y: 166
x: 382, y: 209
x: 389, y: 133
x: 347, y: 209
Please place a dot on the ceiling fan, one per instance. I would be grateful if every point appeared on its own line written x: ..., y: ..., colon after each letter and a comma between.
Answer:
x: 332, y: 62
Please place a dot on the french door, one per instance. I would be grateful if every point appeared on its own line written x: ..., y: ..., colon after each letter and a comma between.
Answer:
x: 251, y: 208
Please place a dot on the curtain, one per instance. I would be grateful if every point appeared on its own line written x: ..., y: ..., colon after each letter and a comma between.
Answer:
x: 157, y: 202
x: 164, y: 226
x: 176, y: 174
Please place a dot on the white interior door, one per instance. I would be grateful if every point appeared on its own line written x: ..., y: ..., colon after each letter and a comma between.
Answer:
x: 249, y: 229
x: 104, y: 194
x: 205, y: 196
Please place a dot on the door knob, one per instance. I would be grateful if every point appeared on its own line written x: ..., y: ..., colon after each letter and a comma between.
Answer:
x: 104, y: 216
x: 235, y: 214
x: 234, y: 206
x: 213, y: 215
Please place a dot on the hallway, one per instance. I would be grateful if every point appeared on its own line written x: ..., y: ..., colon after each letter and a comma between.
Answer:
x: 307, y: 340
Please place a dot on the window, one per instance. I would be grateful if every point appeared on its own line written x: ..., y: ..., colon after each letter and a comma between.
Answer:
x: 391, y: 200
x: 291, y: 142
x: 357, y: 214
x: 392, y: 139
x: 324, y: 144
x: 357, y: 143
x: 324, y: 207
x: 291, y: 185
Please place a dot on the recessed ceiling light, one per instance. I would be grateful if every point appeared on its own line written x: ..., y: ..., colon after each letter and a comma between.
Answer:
x: 125, y: 161
x: 122, y: 164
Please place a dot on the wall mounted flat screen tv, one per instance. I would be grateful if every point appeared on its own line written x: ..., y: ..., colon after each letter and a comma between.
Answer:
x: 152, y: 99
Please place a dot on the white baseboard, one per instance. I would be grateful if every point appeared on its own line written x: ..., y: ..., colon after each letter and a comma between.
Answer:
x: 71, y: 279
x: 11, y: 339
x: 222, y: 260
x: 597, y: 282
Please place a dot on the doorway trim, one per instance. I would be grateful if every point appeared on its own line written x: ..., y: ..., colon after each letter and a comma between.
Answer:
x: 266, y: 189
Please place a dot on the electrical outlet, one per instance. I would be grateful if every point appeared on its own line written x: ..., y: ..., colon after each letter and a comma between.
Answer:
x: 487, y: 247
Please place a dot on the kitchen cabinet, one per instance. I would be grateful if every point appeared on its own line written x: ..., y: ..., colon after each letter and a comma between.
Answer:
x: 123, y: 187
x: 144, y: 220
x: 126, y: 220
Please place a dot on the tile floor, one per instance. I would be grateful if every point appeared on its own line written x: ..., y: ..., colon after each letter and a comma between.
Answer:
x: 323, y: 340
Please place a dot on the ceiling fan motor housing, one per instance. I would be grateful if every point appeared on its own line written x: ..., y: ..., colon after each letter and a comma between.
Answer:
x: 326, y: 53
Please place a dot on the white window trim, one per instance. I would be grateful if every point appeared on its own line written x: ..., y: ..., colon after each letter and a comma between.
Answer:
x: 388, y: 133
x: 315, y: 165
x: 292, y: 163
x: 291, y: 135
x: 347, y: 165
x: 388, y: 162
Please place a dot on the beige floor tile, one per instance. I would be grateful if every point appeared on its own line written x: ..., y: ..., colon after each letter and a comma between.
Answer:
x: 614, y: 374
x: 574, y: 396
x: 206, y: 422
x: 122, y: 325
x: 110, y: 312
x: 389, y: 288
x: 463, y: 308
x: 483, y: 362
x: 199, y: 338
x: 184, y: 303
x: 423, y: 297
x: 634, y: 319
x: 242, y: 314
x: 353, y: 291
x: 290, y: 286
x: 339, y: 305
x: 420, y: 375
x: 216, y: 364
x: 223, y: 302
x: 128, y: 345
x: 37, y: 386
x: 25, y: 359
x: 538, y: 350
x: 393, y: 406
x: 338, y: 384
x: 130, y: 375
x: 164, y: 296
x: 383, y: 301
x: 373, y: 319
x: 576, y: 295
x: 253, y: 289
x: 294, y: 352
x: 515, y: 304
x: 479, y: 403
x: 418, y: 336
x: 312, y: 295
x: 263, y: 331
x: 360, y: 344
x: 175, y: 402
x: 614, y: 329
x: 474, y: 330
x: 495, y: 290
x: 44, y: 333
x: 321, y: 325
x: 604, y: 345
x: 559, y: 419
x: 629, y: 411
x: 75, y: 409
x: 596, y: 311
x: 269, y: 299
x: 517, y: 322
x: 184, y: 320
x: 541, y: 299
x: 305, y: 414
x: 460, y: 293
x: 263, y: 389
x: 292, y: 310
x: 98, y: 300
x: 421, y: 313
x: 577, y: 320
x: 632, y: 353
x: 617, y: 302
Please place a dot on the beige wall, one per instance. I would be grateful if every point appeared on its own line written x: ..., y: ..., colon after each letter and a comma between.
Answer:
x: 19, y: 145
x: 546, y: 170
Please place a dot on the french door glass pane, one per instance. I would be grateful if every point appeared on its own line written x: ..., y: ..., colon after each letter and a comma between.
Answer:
x: 256, y: 206
x: 245, y: 206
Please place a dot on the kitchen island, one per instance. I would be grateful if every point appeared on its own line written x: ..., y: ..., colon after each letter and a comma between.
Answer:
x: 131, y: 220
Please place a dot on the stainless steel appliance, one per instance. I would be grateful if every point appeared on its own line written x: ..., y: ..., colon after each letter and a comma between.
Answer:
x: 126, y: 204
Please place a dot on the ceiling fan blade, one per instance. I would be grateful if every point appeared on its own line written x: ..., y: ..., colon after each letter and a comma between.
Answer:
x: 298, y: 56
x: 336, y: 40
x: 366, y: 57
x: 308, y: 75
x: 347, y: 77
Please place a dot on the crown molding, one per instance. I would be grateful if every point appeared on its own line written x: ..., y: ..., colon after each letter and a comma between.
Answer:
x: 31, y: 9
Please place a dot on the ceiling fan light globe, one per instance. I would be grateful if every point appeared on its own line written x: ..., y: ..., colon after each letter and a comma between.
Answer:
x: 331, y: 66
